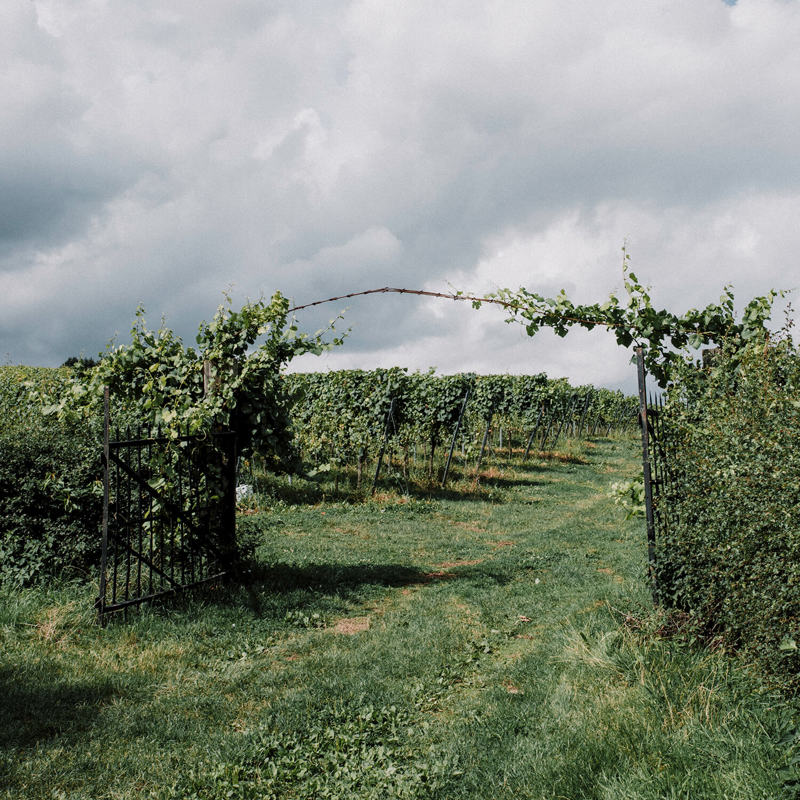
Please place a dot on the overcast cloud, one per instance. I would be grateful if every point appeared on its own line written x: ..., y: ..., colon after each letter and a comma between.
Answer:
x: 159, y: 153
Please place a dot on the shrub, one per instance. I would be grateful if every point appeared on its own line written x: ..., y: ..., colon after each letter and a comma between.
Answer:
x: 730, y: 553
x: 50, y: 487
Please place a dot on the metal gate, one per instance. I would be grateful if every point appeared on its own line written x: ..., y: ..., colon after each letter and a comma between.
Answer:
x: 169, y: 514
x: 657, y: 469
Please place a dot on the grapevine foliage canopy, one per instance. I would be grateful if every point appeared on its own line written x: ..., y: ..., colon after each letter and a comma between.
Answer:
x: 157, y: 379
x: 667, y: 337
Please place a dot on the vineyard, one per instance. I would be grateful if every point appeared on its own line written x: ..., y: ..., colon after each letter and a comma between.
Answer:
x: 405, y: 584
x: 349, y: 420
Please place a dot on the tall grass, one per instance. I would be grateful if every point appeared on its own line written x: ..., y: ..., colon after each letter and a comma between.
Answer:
x: 490, y: 641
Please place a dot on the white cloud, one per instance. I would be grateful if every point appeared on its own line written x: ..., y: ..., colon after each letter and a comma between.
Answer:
x: 161, y: 155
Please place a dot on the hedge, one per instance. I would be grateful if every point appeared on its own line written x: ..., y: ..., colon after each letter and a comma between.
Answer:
x: 50, y: 484
x: 731, y: 554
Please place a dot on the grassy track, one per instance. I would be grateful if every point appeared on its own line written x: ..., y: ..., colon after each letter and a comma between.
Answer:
x: 494, y: 642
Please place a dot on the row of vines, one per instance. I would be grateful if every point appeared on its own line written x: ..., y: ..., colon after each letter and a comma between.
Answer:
x: 348, y: 418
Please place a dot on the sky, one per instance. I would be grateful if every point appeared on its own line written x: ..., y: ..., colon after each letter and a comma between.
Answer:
x: 162, y: 153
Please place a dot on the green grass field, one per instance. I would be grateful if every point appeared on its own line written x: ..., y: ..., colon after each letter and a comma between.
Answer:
x: 490, y: 641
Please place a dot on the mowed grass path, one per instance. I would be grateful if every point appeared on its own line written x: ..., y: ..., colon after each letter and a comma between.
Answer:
x: 493, y: 643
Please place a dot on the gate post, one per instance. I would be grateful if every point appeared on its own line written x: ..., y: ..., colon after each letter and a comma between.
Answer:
x: 648, y: 480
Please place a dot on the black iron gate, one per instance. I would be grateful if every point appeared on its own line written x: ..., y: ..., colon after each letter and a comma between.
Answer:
x: 169, y: 514
x: 656, y: 466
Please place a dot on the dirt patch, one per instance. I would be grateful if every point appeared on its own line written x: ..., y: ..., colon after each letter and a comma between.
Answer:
x: 440, y: 575
x: 461, y: 563
x: 468, y: 526
x: 565, y: 458
x: 351, y: 626
x: 608, y: 571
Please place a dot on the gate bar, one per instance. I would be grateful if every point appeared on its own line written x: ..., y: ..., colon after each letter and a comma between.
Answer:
x: 101, y: 598
x: 648, y: 480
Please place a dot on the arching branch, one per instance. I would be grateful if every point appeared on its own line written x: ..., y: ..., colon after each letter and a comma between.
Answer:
x: 421, y: 292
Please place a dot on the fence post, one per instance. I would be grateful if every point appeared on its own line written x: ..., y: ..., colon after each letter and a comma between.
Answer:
x: 389, y: 419
x: 455, y: 435
x: 587, y: 401
x: 485, y: 439
x: 648, y: 482
x: 533, y: 434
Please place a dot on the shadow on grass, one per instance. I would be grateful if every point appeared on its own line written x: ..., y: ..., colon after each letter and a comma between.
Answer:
x: 40, y: 705
x: 267, y: 582
x: 462, y: 486
x: 341, y: 578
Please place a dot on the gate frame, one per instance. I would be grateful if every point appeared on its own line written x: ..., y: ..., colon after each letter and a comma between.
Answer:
x: 228, y: 508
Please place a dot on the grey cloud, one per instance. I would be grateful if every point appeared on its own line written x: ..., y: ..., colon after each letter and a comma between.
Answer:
x: 162, y: 154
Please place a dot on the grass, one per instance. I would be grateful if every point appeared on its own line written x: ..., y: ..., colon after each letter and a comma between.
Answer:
x: 491, y: 640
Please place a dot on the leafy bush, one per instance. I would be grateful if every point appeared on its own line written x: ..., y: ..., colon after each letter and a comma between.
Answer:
x: 50, y: 489
x: 729, y: 554
x: 630, y: 495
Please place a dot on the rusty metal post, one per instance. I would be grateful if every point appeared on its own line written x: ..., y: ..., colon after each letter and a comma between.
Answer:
x: 648, y: 481
x: 389, y: 421
x: 533, y: 434
x: 455, y: 435
x: 485, y: 439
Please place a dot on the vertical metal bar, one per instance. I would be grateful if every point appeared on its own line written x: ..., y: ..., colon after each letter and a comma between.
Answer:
x: 547, y: 429
x: 101, y: 599
x: 389, y: 418
x: 528, y: 445
x: 561, y: 424
x: 139, y: 522
x: 483, y: 443
x: 129, y: 489
x: 455, y: 435
x: 180, y: 528
x: 533, y: 434
x: 118, y: 523
x: 648, y: 486
x: 193, y: 514
x: 231, y: 500
x: 586, y: 404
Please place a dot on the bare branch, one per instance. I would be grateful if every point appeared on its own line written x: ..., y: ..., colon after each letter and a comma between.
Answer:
x: 389, y: 289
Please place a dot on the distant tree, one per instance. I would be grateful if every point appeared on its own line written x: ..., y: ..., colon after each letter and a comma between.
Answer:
x: 80, y: 362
